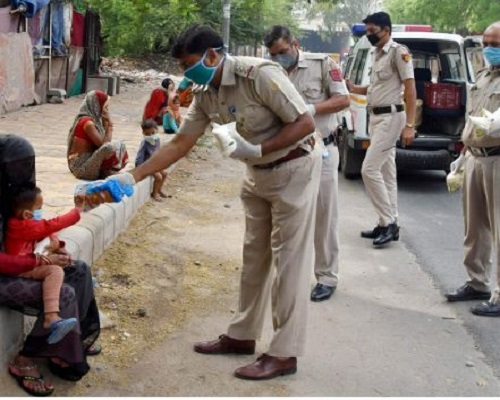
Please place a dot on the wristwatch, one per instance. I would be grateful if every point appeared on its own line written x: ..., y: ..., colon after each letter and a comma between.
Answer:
x: 410, y: 125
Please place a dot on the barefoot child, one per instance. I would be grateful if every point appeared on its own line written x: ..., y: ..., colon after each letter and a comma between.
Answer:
x: 150, y: 144
x: 24, y: 230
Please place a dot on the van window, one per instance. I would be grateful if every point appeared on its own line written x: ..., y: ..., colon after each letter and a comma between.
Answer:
x: 476, y: 61
x: 455, y: 66
x: 356, y: 74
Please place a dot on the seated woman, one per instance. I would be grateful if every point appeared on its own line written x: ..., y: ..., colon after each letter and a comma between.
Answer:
x: 157, y: 104
x: 67, y: 359
x: 92, y: 154
x: 185, y: 92
x: 172, y: 117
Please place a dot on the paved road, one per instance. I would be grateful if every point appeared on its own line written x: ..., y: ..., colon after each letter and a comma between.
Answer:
x: 433, y: 231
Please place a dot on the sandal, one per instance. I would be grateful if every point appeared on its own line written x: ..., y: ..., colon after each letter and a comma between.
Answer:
x: 94, y: 350
x: 21, y: 378
x: 60, y: 328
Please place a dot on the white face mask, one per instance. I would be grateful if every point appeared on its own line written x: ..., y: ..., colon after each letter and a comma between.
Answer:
x: 151, y: 139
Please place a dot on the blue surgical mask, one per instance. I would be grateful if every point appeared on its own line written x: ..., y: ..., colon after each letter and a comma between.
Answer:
x: 492, y: 55
x: 151, y: 139
x: 286, y: 60
x: 201, y: 74
x: 37, y: 215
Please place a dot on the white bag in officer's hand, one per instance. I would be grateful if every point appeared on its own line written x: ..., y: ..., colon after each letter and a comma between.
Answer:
x: 225, y: 141
x: 487, y: 125
x: 455, y: 178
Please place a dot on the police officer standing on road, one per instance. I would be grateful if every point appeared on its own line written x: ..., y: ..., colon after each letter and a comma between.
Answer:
x: 481, y: 194
x: 279, y: 191
x: 319, y: 80
x: 391, y: 71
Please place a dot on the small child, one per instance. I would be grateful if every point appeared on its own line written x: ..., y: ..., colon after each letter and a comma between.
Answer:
x: 149, y: 145
x: 24, y: 230
x: 172, y: 118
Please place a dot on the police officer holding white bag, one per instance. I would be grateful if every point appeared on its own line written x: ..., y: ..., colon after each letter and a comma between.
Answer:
x: 481, y: 190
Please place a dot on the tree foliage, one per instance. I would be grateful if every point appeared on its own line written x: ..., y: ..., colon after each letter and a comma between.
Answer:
x: 460, y: 16
x: 136, y: 27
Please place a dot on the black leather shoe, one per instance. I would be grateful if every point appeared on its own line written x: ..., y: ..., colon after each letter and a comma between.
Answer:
x: 486, y: 309
x: 375, y: 233
x: 387, y: 234
x: 322, y: 292
x: 467, y: 292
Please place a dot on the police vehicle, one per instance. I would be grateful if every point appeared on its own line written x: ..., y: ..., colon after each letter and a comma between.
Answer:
x: 445, y: 67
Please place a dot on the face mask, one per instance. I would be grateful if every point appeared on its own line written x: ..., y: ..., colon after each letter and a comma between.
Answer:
x: 492, y: 55
x: 37, y: 215
x: 287, y: 61
x: 373, y: 38
x: 201, y: 74
x: 151, y: 139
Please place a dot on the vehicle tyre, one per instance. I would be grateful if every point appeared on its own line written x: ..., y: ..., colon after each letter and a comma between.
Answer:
x: 351, y: 160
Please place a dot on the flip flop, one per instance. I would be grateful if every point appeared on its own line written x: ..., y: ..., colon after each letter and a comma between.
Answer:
x: 60, y: 328
x: 94, y: 350
x: 22, y: 379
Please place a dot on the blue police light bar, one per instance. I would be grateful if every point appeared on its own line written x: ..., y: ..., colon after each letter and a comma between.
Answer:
x: 358, y: 30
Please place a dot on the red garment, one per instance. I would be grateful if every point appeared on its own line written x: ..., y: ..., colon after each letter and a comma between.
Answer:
x: 23, y: 234
x: 153, y: 107
x: 78, y: 29
x: 80, y: 128
x: 15, y: 265
x: 102, y: 97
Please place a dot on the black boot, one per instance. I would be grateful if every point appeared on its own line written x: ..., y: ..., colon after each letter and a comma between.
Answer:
x: 387, y: 234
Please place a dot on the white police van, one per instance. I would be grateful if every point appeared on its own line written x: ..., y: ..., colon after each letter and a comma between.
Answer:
x: 445, y: 67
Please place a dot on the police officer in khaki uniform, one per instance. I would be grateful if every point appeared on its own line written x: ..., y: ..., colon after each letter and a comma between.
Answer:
x: 283, y: 168
x: 319, y: 80
x: 392, y: 71
x: 481, y: 195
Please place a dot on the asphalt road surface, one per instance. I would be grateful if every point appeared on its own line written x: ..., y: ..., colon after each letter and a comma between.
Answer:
x: 433, y: 230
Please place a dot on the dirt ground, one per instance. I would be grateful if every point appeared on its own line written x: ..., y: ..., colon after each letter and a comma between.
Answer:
x: 166, y: 267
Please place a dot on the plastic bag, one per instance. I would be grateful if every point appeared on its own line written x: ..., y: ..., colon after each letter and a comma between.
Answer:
x: 90, y: 195
x: 486, y: 125
x: 455, y: 179
x: 225, y: 142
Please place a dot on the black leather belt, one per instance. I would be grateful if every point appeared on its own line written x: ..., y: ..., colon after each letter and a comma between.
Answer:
x: 331, y: 138
x: 385, y: 109
x: 485, y: 151
x: 292, y: 155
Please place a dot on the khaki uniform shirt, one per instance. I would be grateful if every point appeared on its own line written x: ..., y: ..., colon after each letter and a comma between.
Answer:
x: 255, y: 93
x: 484, y: 94
x: 318, y: 78
x: 391, y: 66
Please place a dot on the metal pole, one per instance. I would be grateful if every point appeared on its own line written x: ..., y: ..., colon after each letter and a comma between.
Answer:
x: 226, y: 20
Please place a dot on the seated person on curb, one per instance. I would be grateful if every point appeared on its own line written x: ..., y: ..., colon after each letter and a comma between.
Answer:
x: 24, y: 230
x: 172, y: 118
x: 67, y: 359
x: 92, y: 152
x: 157, y: 104
x: 149, y: 145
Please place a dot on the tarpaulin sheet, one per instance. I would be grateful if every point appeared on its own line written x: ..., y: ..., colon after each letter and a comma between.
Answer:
x: 17, y: 76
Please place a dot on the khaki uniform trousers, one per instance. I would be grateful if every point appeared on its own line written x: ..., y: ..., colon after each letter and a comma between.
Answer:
x: 379, y: 167
x: 326, y: 235
x: 481, y: 201
x: 280, y: 204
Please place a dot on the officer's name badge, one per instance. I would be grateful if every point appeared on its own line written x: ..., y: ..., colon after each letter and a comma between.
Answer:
x: 406, y: 57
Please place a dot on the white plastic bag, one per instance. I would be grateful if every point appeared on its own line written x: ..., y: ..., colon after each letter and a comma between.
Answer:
x: 225, y: 142
x: 455, y: 178
x: 486, y: 125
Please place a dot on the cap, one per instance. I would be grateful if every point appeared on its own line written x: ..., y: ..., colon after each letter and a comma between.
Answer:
x: 381, y: 19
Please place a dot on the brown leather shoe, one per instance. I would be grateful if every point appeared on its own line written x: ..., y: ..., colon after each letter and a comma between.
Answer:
x: 225, y: 345
x: 267, y: 367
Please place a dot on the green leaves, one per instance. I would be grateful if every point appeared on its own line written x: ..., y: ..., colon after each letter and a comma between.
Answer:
x: 460, y: 16
x: 136, y: 27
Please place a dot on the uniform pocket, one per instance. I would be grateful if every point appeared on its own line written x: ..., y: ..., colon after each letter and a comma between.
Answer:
x: 383, y: 74
x: 312, y: 94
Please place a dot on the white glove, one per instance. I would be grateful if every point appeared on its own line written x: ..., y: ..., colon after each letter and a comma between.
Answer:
x: 487, y: 125
x: 458, y: 164
x: 311, y: 109
x: 225, y: 142
x: 244, y: 150
x: 125, y: 178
